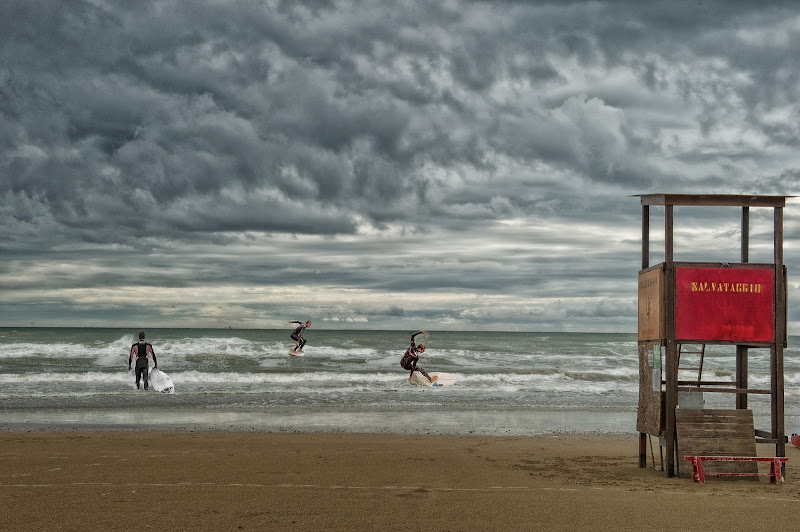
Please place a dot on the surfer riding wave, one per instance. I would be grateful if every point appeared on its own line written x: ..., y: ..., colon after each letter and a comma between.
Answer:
x: 411, y: 357
x: 297, y: 335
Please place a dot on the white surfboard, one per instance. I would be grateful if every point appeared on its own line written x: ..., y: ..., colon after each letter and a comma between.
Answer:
x: 442, y: 379
x: 160, y: 381
x: 296, y: 353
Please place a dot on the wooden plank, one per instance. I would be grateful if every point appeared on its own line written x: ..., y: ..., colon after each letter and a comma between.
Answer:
x: 729, y: 435
x: 726, y: 428
x: 718, y: 416
x: 717, y: 432
x: 726, y: 265
x: 650, y: 414
x: 711, y: 413
x: 651, y: 306
x: 690, y: 388
x: 713, y: 200
x: 716, y: 441
x: 709, y: 424
x: 711, y: 447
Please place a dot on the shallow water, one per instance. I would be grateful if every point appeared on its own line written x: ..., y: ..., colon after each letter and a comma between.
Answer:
x: 515, y: 383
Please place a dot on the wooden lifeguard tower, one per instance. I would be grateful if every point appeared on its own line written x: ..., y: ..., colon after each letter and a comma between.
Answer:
x: 684, y: 304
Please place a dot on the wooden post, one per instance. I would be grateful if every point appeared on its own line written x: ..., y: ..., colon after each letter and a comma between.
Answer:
x: 745, y: 234
x: 742, y: 363
x: 778, y: 421
x: 741, y: 376
x: 671, y: 398
x: 645, y: 236
x: 645, y: 264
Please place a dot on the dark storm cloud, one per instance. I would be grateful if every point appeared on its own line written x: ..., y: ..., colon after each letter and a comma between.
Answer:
x: 465, y: 149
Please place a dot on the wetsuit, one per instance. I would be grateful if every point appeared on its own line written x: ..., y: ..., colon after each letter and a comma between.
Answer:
x: 297, y: 335
x: 410, y: 358
x: 141, y: 350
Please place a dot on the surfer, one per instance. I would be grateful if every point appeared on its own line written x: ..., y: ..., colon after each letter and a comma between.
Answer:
x: 297, y: 335
x: 141, y: 350
x: 411, y: 357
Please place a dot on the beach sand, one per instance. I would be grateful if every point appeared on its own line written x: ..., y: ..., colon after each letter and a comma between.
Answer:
x: 147, y: 480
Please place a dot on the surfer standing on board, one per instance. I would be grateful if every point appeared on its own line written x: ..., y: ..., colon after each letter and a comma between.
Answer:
x: 141, y: 350
x: 411, y: 356
x: 297, y: 335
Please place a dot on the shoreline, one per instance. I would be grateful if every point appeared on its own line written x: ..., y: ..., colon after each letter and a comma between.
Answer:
x: 178, y: 430
x: 220, y: 480
x: 419, y: 421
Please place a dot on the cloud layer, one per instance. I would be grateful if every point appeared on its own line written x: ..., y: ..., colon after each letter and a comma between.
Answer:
x: 462, y: 165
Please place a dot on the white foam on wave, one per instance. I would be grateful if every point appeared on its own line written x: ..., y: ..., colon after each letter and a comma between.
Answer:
x: 22, y: 350
x: 792, y: 379
x: 551, y: 382
x: 218, y: 346
x: 319, y: 377
x: 224, y: 378
x: 556, y: 380
x: 122, y: 346
x: 181, y: 352
x: 57, y: 378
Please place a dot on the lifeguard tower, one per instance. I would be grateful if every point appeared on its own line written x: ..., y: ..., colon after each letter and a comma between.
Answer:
x: 684, y: 306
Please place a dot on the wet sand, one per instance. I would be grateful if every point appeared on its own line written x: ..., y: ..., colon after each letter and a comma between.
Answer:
x: 129, y: 480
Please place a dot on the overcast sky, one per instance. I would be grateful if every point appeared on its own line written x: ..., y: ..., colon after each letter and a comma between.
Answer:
x: 381, y: 164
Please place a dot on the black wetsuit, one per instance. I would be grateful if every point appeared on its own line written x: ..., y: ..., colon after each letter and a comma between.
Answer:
x: 142, y: 349
x: 410, y: 358
x: 297, y: 335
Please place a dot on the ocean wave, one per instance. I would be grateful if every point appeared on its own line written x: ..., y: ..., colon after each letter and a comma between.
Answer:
x: 557, y: 380
x: 358, y: 368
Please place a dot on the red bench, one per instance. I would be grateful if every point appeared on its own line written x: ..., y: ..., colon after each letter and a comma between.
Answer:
x: 775, y: 475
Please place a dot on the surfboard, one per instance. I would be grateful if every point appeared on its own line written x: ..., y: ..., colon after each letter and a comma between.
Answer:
x: 442, y: 379
x: 296, y: 353
x: 160, y: 381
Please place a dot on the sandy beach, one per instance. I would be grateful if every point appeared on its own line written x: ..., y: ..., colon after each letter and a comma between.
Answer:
x: 262, y: 481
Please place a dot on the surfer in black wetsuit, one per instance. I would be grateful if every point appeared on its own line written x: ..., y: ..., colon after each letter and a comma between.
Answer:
x: 141, y: 350
x: 297, y: 335
x: 411, y: 356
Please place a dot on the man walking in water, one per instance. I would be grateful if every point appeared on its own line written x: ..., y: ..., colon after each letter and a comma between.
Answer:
x: 141, y: 350
x: 297, y: 335
x: 411, y: 356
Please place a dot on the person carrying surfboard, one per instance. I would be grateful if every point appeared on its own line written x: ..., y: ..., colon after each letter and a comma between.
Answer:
x: 411, y: 357
x: 141, y: 350
x: 297, y: 335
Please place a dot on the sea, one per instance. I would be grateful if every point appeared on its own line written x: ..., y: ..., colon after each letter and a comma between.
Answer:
x: 509, y: 384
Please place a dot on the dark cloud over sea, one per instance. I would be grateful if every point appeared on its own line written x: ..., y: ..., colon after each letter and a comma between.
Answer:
x: 444, y: 165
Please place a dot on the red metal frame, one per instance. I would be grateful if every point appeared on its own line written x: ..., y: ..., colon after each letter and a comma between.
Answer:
x: 775, y: 468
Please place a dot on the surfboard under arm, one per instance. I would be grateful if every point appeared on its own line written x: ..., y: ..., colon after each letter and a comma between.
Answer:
x: 160, y: 381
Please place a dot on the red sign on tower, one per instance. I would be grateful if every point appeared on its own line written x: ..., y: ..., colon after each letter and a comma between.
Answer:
x: 725, y: 304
